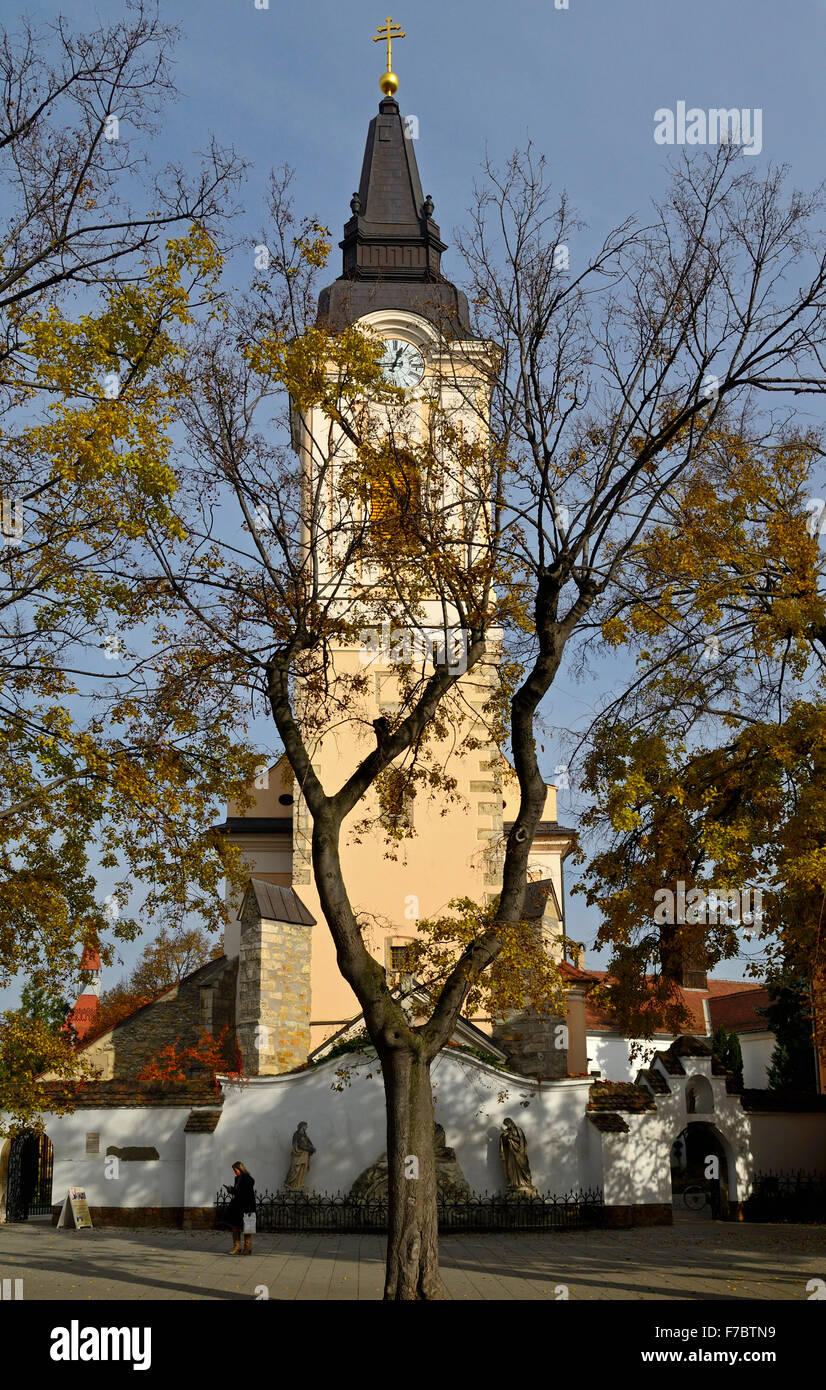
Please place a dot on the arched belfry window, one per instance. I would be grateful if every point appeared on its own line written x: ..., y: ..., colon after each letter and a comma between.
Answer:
x: 395, y: 498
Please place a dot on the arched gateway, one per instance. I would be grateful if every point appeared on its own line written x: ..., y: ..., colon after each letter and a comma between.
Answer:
x: 700, y: 1173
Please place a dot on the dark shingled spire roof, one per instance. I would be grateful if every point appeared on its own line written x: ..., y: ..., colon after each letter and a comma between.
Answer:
x: 391, y: 248
x: 390, y: 235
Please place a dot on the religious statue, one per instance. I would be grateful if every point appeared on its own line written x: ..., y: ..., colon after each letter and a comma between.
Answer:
x: 300, y: 1155
x: 371, y: 1185
x: 513, y: 1150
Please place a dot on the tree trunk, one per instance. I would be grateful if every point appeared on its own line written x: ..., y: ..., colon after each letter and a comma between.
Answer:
x: 413, y: 1226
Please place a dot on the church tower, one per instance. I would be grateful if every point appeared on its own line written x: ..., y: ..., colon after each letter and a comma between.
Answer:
x: 392, y: 283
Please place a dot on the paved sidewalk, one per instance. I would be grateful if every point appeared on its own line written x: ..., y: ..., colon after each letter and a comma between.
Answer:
x: 687, y: 1261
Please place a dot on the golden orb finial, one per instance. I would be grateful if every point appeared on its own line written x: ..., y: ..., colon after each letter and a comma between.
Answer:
x: 389, y: 82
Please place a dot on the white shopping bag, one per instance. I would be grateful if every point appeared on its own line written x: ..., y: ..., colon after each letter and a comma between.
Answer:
x: 249, y: 1223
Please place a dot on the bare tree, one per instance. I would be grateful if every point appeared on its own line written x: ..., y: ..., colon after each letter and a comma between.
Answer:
x: 621, y: 377
x: 608, y: 384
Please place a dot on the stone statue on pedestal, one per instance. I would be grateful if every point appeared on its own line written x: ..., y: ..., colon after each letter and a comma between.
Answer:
x: 513, y: 1150
x: 300, y: 1155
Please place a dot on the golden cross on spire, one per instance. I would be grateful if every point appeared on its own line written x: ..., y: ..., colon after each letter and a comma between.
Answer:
x: 389, y: 83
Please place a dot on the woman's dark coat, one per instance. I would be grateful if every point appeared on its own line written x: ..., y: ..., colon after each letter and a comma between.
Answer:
x: 242, y: 1200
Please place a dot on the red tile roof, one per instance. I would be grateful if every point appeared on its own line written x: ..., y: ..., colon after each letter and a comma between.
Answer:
x: 83, y: 1016
x: 738, y: 1012
x: 619, y: 1095
x: 598, y: 1021
x: 100, y: 1095
x: 608, y: 1122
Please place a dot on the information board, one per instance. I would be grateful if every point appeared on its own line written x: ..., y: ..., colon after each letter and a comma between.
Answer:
x: 75, y: 1211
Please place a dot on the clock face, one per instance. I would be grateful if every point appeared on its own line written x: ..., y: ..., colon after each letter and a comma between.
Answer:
x: 402, y: 363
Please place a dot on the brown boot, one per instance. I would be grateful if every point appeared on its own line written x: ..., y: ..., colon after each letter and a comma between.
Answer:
x: 247, y: 1245
x: 236, y: 1236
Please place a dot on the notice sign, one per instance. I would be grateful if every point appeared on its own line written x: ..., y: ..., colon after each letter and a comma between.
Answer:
x: 75, y: 1211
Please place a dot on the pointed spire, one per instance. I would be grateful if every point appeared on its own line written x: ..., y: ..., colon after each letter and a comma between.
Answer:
x: 83, y: 1016
x: 391, y: 247
x: 391, y: 234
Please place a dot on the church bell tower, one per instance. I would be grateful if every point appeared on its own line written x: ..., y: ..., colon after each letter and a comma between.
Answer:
x: 392, y: 283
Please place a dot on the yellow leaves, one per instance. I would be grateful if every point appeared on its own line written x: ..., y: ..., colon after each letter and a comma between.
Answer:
x: 522, y: 976
x: 329, y: 371
x: 615, y: 631
x: 110, y: 378
x: 28, y: 1048
x: 313, y: 246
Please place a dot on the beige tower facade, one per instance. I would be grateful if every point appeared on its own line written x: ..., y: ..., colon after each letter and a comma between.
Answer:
x: 391, y: 285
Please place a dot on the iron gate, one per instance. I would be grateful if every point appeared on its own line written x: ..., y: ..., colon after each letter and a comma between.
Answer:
x: 29, y: 1191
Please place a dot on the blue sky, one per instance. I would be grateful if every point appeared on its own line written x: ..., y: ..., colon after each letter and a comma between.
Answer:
x: 299, y: 85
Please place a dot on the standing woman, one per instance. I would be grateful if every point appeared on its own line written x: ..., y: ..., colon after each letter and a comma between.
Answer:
x: 241, y: 1205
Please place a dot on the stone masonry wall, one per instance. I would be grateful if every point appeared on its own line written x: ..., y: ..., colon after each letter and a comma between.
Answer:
x: 273, y: 1009
x: 531, y: 1043
x: 206, y: 998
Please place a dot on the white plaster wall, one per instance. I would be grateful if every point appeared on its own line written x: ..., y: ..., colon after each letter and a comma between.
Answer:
x: 614, y: 1058
x: 566, y: 1151
x: 348, y: 1128
x: 198, y: 1169
x: 731, y: 1122
x: 757, y: 1049
x: 636, y: 1166
x: 149, y: 1183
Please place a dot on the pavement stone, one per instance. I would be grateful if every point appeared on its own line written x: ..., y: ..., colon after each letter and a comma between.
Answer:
x: 702, y: 1261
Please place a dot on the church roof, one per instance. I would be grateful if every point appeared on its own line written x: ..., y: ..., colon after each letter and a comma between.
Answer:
x: 391, y: 246
x: 739, y: 1012
x: 256, y: 825
x: 619, y: 1095
x: 465, y: 1033
x: 277, y: 903
x: 90, y: 959
x: 545, y: 829
x: 83, y: 1016
x: 208, y: 973
x: 541, y: 899
x: 202, y: 1120
x: 126, y: 1092
x: 390, y: 233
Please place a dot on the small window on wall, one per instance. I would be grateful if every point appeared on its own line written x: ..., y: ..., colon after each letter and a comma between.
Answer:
x: 207, y: 997
x: 93, y: 1143
x: 400, y: 956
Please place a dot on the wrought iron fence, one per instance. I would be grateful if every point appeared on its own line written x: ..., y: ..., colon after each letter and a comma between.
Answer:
x: 486, y: 1211
x: 787, y: 1196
